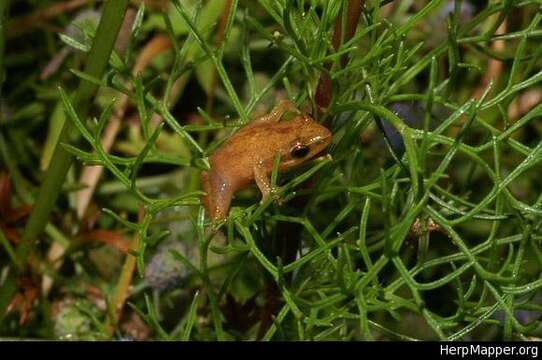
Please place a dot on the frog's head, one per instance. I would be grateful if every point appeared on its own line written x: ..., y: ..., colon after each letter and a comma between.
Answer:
x: 309, y: 140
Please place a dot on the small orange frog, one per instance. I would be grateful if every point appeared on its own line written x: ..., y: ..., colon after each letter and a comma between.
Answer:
x: 248, y: 154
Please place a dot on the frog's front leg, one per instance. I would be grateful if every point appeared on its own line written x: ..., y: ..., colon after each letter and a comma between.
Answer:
x: 262, y: 180
x: 264, y: 184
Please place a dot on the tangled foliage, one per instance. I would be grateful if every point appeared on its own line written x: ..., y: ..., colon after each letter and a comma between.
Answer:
x: 437, y: 239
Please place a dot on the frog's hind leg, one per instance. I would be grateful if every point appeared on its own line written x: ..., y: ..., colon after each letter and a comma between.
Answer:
x: 219, y: 193
x: 281, y: 108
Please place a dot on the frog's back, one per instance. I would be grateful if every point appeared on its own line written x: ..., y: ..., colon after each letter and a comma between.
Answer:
x: 259, y: 141
x: 251, y: 146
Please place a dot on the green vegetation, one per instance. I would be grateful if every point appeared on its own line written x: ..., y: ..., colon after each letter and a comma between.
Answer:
x: 439, y: 241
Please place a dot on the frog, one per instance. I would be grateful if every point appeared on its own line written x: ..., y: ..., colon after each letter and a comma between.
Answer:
x: 248, y: 155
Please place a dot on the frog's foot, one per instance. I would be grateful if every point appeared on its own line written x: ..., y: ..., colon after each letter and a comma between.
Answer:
x: 273, y: 195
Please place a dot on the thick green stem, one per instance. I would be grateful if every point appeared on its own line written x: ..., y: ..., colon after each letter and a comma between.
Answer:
x: 98, y: 58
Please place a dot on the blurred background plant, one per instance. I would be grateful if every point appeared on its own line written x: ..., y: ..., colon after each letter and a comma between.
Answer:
x: 430, y: 232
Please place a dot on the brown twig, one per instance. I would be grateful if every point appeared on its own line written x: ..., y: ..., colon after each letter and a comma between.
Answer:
x: 524, y: 103
x: 353, y: 14
x: 38, y: 18
x: 494, y: 66
x: 324, y: 89
x: 122, y: 289
x: 269, y: 309
x: 30, y: 22
x: 112, y: 238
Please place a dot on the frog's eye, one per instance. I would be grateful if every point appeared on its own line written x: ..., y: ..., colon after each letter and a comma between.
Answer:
x: 299, y: 151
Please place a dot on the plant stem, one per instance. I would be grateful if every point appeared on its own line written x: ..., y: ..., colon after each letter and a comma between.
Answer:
x: 98, y: 58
